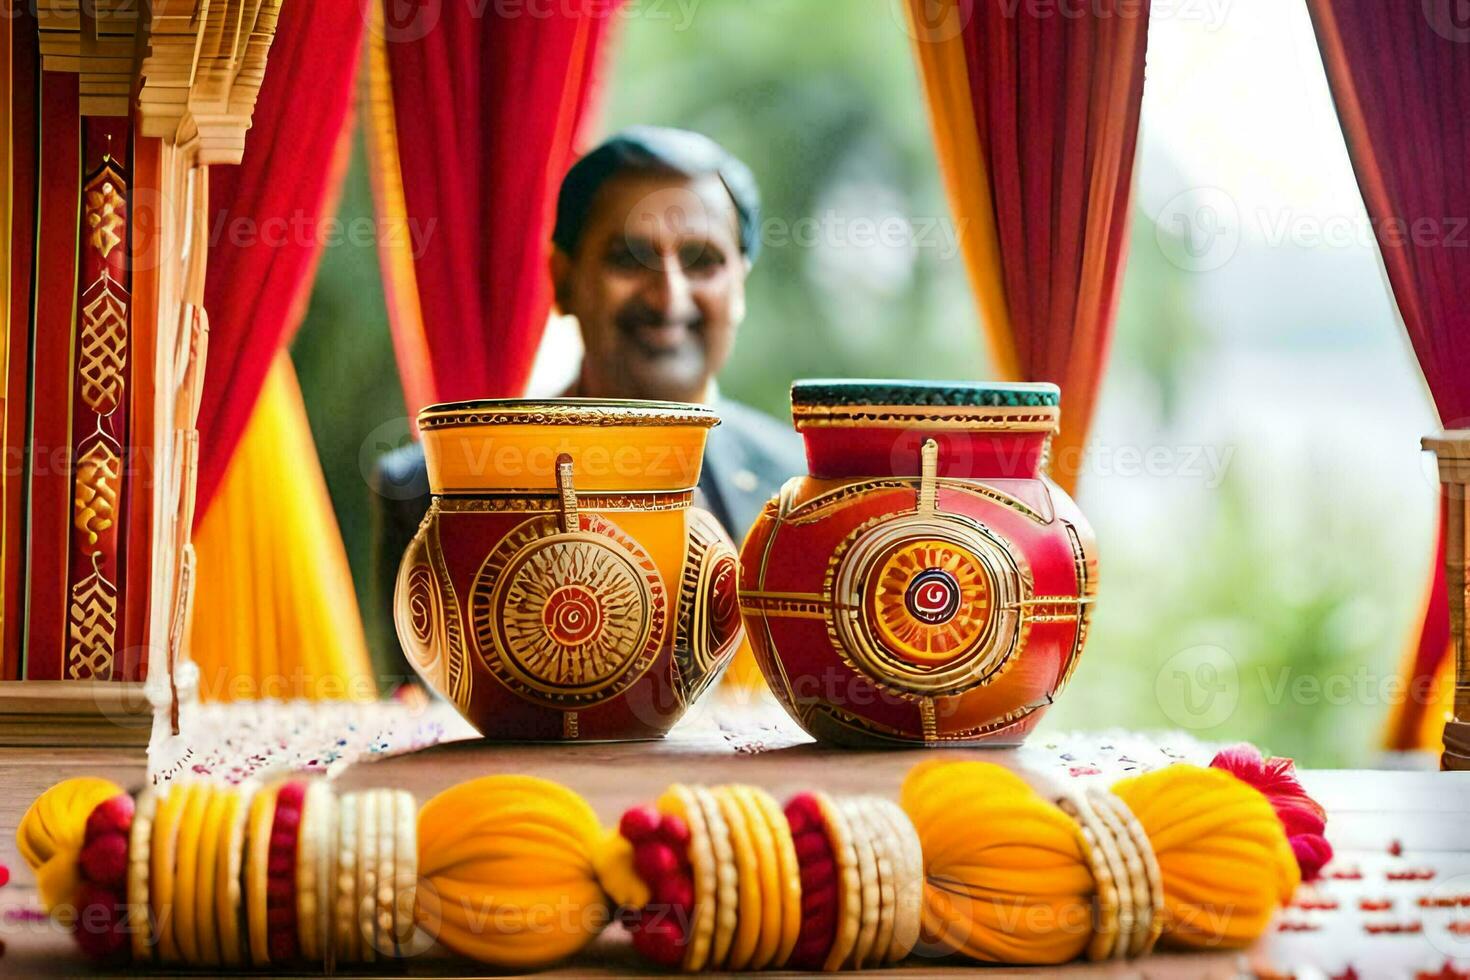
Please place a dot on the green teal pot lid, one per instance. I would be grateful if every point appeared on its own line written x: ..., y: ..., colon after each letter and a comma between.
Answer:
x: 953, y: 394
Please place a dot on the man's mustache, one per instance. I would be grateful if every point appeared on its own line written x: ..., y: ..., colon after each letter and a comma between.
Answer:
x: 633, y: 319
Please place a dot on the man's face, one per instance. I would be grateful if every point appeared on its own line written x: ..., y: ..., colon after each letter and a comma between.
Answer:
x: 658, y: 286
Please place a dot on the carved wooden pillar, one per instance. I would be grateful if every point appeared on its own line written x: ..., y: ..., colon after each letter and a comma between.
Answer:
x: 1452, y: 447
x: 112, y: 113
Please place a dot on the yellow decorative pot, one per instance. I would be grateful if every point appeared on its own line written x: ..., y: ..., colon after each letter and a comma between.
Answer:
x: 562, y: 586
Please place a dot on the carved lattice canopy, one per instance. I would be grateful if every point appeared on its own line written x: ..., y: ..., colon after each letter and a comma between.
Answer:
x: 195, y: 65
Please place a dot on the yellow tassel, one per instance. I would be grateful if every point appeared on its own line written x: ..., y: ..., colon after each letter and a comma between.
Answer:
x: 1226, y: 862
x: 1007, y: 880
x: 51, y: 833
x: 978, y: 822
x: 509, y: 871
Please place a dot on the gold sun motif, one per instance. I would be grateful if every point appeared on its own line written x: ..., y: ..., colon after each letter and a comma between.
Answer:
x: 925, y: 604
x: 930, y: 600
x: 570, y: 618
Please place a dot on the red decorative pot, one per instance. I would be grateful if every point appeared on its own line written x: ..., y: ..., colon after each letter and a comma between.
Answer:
x: 927, y: 582
x: 561, y: 586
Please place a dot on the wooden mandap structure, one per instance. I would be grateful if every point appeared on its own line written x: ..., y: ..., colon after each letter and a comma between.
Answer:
x: 113, y: 112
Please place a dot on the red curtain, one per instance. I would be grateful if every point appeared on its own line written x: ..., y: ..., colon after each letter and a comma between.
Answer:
x: 265, y: 214
x: 474, y: 111
x: 1400, y: 76
x: 1036, y: 124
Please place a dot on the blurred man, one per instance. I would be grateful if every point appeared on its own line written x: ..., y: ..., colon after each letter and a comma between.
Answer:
x: 656, y: 230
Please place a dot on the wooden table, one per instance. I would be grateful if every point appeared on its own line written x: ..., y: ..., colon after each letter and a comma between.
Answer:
x: 1427, y: 813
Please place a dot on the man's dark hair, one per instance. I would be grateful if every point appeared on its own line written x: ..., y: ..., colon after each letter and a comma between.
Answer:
x: 655, y: 150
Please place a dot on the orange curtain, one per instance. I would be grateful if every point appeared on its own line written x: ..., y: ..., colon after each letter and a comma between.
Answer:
x: 275, y: 615
x: 1400, y: 77
x: 274, y: 611
x: 1035, y: 122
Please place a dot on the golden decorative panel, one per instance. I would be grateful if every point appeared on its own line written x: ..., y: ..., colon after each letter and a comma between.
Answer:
x: 104, y: 345
x: 105, y: 221
x: 92, y: 628
x: 97, y: 487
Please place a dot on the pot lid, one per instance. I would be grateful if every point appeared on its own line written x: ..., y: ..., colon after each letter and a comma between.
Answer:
x: 952, y: 394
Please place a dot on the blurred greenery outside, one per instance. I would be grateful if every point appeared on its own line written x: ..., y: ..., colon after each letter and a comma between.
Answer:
x: 1278, y: 572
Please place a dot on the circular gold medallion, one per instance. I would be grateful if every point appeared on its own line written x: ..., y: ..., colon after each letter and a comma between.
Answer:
x: 930, y: 600
x: 569, y: 618
x: 925, y: 604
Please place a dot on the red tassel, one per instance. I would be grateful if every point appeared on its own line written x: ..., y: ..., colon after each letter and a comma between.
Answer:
x: 1301, y: 816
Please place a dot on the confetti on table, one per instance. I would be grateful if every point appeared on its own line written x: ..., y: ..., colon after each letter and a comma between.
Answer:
x: 1114, y: 754
x: 1393, y: 928
x: 1444, y: 901
x: 1446, y: 972
x: 1375, y: 904
x: 1411, y: 874
x: 1396, y: 847
x: 1351, y: 873
x: 237, y: 741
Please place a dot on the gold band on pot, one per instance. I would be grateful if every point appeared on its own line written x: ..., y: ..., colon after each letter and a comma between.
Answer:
x: 565, y: 411
x: 1033, y: 418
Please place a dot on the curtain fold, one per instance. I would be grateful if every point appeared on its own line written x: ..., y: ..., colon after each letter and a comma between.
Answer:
x: 275, y: 615
x: 266, y: 215
x: 473, y: 114
x: 1035, y: 120
x: 1400, y: 77
x: 274, y: 612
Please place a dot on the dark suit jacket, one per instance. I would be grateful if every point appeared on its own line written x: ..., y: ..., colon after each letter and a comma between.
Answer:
x: 748, y: 456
